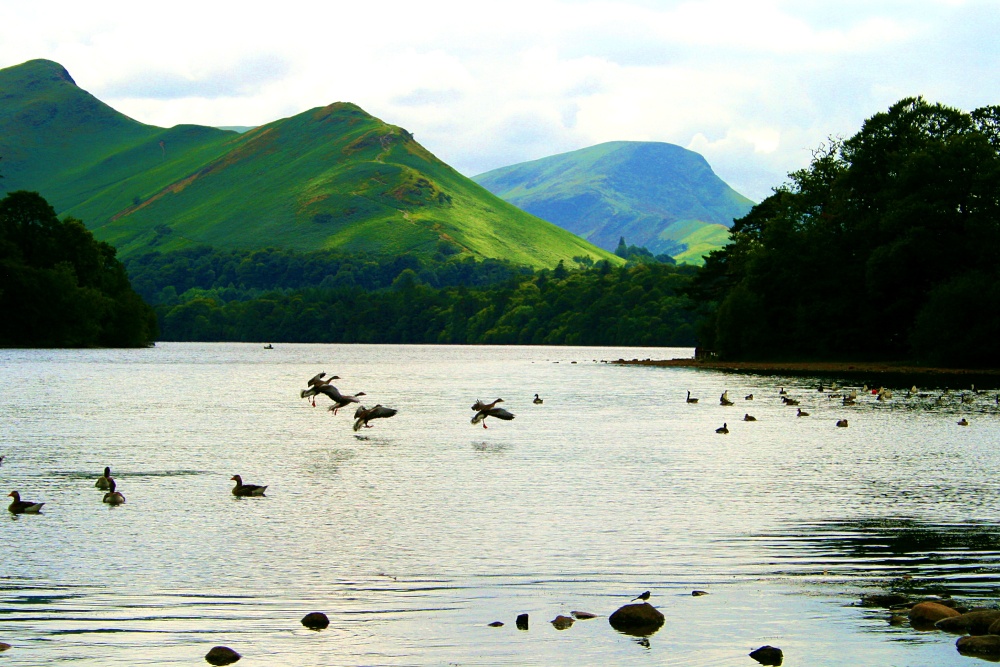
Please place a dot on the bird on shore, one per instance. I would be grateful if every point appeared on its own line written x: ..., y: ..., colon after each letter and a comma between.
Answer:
x: 691, y: 400
x: 242, y: 489
x: 537, y: 400
x: 104, y: 481
x: 749, y: 418
x: 488, y: 411
x: 802, y: 413
x: 339, y: 400
x: 642, y: 596
x: 724, y: 399
x: 315, y: 383
x: 113, y: 497
x: 363, y: 415
x: 722, y: 429
x: 19, y: 506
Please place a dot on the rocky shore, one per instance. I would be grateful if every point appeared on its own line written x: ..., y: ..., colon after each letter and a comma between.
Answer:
x: 811, y: 367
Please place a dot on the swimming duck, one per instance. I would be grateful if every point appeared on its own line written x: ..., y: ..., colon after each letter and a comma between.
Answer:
x: 781, y: 391
x: 842, y: 423
x: 691, y: 400
x: 802, y: 413
x: 963, y: 422
x: 722, y: 429
x: 242, y: 489
x: 363, y: 415
x: 537, y: 400
x: 789, y: 401
x: 748, y: 397
x: 749, y: 418
x: 19, y: 506
x: 724, y: 399
x: 113, y: 497
x: 104, y: 481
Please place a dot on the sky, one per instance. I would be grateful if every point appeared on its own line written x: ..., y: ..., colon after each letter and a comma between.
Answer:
x: 753, y: 86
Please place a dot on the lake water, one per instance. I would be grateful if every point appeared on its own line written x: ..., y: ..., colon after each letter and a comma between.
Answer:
x: 415, y: 534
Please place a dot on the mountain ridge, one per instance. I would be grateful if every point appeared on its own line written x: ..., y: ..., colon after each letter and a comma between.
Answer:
x: 655, y: 194
x: 329, y: 177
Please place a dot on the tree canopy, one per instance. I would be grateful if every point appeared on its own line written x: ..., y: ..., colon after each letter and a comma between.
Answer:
x: 886, y: 246
x: 59, y: 287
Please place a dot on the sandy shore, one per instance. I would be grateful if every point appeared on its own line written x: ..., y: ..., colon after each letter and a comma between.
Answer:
x: 817, y: 367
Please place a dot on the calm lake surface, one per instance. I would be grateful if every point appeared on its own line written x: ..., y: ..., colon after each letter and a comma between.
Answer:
x: 415, y: 534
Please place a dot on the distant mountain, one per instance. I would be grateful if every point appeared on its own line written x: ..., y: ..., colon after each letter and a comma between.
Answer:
x: 329, y: 178
x: 656, y: 195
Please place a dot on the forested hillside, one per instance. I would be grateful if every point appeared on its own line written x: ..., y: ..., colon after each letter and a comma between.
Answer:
x: 886, y: 247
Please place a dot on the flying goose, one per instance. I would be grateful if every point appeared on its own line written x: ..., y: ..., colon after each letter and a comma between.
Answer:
x: 19, y: 506
x: 113, y: 497
x: 339, y: 400
x: 104, y: 481
x: 488, y: 410
x: 482, y: 405
x: 242, y: 489
x: 314, y: 384
x: 363, y: 415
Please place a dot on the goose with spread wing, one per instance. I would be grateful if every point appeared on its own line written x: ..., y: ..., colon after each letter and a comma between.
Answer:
x: 364, y: 415
x: 339, y: 400
x: 315, y: 384
x: 488, y: 410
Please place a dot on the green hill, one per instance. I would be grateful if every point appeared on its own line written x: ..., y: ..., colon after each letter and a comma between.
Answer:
x: 329, y: 178
x: 656, y: 195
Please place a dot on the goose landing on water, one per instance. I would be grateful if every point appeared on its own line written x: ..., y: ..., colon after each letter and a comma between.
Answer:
x: 314, y: 386
x: 363, y: 415
x: 242, y: 489
x: 499, y: 413
x: 19, y: 506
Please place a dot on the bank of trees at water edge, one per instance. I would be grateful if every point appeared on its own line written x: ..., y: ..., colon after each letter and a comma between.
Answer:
x: 59, y: 287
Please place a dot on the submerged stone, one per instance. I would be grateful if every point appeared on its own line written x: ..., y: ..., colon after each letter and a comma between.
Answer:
x: 929, y: 613
x: 639, y: 620
x: 316, y: 620
x: 983, y: 645
x: 496, y: 624
x: 222, y: 655
x: 562, y: 622
x: 973, y: 622
x: 767, y: 655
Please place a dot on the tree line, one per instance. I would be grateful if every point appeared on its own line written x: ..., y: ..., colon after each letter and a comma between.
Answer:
x: 886, y: 247
x: 60, y: 287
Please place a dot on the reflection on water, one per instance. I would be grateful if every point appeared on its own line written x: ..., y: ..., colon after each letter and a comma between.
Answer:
x: 413, y: 537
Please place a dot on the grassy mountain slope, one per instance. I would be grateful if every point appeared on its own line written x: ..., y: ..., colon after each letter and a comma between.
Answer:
x: 654, y: 194
x: 331, y: 177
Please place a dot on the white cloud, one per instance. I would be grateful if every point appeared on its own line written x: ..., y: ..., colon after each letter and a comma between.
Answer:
x: 752, y: 85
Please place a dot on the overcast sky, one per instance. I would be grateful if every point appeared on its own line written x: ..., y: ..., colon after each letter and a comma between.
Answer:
x: 754, y: 86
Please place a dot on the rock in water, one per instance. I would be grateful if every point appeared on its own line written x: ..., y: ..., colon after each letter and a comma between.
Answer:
x: 767, y: 655
x: 496, y: 624
x: 562, y: 622
x: 222, y: 655
x: 582, y: 615
x: 640, y: 620
x: 4, y: 647
x: 973, y: 622
x: 929, y: 613
x: 981, y: 645
x: 522, y: 622
x: 316, y: 620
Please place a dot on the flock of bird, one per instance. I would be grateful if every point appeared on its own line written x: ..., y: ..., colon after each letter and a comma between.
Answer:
x: 318, y: 384
x: 850, y: 398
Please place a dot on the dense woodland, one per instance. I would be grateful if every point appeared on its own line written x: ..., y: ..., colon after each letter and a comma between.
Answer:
x: 278, y: 295
x: 887, y: 247
x: 59, y: 287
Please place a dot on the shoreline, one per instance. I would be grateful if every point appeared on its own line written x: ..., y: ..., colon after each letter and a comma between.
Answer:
x: 811, y: 367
